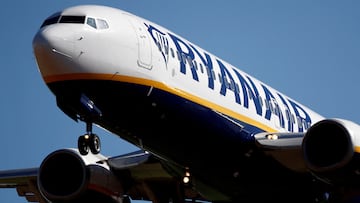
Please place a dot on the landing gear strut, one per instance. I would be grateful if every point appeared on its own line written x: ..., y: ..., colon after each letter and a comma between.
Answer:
x: 89, y: 141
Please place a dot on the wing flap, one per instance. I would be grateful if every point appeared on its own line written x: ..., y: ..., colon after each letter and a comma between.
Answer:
x: 128, y: 160
x: 141, y: 164
x: 148, y: 177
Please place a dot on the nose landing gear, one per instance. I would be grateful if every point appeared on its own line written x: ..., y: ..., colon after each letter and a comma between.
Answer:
x: 89, y: 141
x: 89, y: 113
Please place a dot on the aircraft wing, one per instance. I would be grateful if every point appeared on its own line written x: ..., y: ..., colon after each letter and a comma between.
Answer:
x: 284, y: 147
x: 25, y: 182
x: 138, y: 175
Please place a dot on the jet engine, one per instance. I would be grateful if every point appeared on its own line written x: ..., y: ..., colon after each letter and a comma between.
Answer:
x: 331, y: 150
x: 67, y: 176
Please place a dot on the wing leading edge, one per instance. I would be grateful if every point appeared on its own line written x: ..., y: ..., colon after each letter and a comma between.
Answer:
x: 25, y: 182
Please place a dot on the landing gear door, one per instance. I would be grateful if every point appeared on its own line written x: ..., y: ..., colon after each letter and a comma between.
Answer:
x: 143, y: 40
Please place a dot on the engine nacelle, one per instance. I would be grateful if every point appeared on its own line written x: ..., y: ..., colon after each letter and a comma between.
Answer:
x: 329, y: 148
x: 67, y: 176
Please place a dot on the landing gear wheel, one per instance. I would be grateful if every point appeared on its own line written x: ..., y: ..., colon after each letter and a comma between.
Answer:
x: 126, y: 199
x: 94, y: 144
x: 89, y: 141
x: 83, y: 145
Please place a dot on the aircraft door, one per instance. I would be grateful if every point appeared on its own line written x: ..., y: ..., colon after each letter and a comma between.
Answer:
x: 144, y: 46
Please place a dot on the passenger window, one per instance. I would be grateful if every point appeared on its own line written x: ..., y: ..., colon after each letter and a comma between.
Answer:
x: 195, y: 65
x: 172, y: 52
x: 250, y: 94
x: 232, y: 85
x: 300, y: 123
x: 201, y: 68
x: 287, y: 113
x: 260, y: 99
x: 158, y: 45
x: 220, y: 79
x: 183, y: 58
x: 237, y: 89
x: 213, y: 74
x: 178, y: 55
x: 91, y: 22
x: 189, y: 60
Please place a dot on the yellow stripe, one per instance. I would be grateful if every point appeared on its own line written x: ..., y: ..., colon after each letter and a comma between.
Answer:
x: 162, y: 86
x: 357, y: 149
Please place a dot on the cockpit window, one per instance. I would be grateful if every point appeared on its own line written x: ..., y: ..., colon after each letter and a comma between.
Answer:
x: 51, y: 20
x: 72, y: 19
x: 97, y: 24
x: 102, y: 24
x: 57, y: 18
x: 91, y: 22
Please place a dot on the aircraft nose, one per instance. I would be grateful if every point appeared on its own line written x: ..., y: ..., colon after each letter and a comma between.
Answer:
x: 53, y: 48
x: 58, y: 39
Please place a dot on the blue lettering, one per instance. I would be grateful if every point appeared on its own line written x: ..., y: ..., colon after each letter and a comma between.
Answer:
x: 249, y: 90
x: 273, y: 106
x: 288, y: 113
x: 185, y: 56
x: 209, y: 66
x: 298, y: 108
x: 225, y: 75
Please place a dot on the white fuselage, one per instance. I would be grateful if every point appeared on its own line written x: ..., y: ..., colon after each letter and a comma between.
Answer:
x: 132, y: 49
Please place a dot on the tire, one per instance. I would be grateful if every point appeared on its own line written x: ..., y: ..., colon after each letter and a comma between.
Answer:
x: 94, y: 144
x: 83, y: 145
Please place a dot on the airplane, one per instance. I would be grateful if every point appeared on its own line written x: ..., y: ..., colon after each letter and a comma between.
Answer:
x: 208, y: 132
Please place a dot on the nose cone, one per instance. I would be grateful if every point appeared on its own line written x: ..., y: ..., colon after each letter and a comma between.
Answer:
x: 54, y: 48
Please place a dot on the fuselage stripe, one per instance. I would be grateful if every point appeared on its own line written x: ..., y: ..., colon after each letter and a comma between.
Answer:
x: 357, y: 149
x: 159, y: 85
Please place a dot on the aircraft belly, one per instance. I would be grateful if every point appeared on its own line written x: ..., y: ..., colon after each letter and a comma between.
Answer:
x: 175, y: 128
x: 160, y: 121
x: 148, y: 113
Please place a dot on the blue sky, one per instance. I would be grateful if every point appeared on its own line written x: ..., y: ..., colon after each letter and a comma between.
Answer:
x: 309, y: 50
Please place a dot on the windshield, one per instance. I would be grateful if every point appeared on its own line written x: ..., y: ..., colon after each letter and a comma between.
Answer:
x: 96, y: 23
